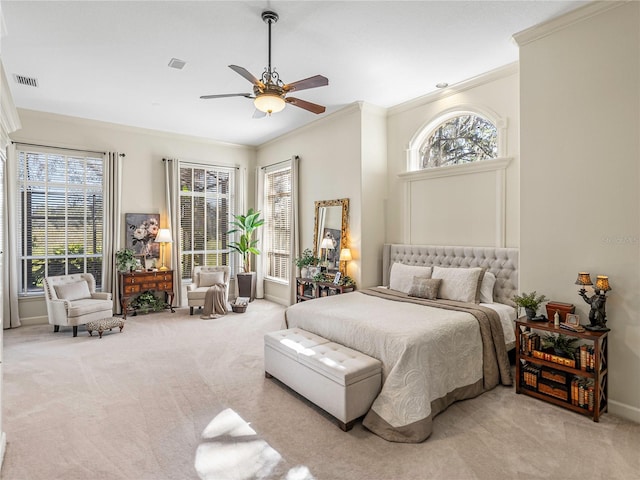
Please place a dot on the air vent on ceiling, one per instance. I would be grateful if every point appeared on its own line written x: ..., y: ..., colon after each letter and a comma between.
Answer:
x: 177, y: 63
x: 28, y: 81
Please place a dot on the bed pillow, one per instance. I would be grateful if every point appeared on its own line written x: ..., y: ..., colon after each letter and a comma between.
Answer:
x: 73, y: 291
x: 486, y: 288
x: 401, y: 276
x: 459, y: 284
x: 208, y: 279
x: 425, y: 288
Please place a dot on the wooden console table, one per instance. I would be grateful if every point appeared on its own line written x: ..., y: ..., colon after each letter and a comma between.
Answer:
x: 134, y: 283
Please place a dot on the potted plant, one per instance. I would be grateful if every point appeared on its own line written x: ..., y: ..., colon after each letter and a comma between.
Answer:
x: 125, y: 260
x: 561, y: 344
x: 304, y: 261
x: 530, y: 302
x: 246, y: 246
x: 147, y: 302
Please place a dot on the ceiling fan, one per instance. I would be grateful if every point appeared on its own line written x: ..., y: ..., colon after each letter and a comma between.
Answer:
x: 270, y: 93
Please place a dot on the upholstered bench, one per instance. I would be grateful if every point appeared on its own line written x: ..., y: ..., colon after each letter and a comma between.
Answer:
x: 341, y: 381
x: 104, y: 324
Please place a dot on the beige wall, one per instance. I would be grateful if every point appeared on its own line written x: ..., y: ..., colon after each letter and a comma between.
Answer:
x: 427, y: 213
x: 143, y: 171
x: 580, y: 124
x: 329, y: 151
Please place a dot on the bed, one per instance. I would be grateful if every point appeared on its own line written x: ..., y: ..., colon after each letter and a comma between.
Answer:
x: 433, y: 352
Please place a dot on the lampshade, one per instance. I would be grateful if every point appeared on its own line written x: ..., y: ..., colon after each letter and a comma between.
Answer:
x: 602, y: 283
x: 345, y: 255
x: 584, y: 279
x: 327, y: 243
x: 164, y: 236
x: 269, y: 103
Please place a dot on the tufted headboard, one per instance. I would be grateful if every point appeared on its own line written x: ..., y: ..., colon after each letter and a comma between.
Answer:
x: 502, y: 262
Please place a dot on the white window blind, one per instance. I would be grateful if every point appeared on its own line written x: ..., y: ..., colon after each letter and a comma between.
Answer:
x: 277, y: 235
x: 60, y: 216
x: 207, y: 199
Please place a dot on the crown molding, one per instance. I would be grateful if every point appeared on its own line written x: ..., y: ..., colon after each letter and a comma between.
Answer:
x: 482, y: 79
x: 575, y: 16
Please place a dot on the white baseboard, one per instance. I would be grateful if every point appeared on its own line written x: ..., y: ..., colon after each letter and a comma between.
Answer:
x: 625, y: 411
x: 278, y: 300
x: 43, y: 320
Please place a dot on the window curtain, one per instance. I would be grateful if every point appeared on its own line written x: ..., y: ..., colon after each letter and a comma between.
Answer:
x: 10, y: 318
x: 295, y: 226
x: 172, y: 214
x: 294, y: 247
x: 260, y: 176
x: 112, y: 191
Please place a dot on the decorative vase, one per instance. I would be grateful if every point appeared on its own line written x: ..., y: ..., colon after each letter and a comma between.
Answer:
x: 246, y: 285
x: 530, y: 312
x: 304, y: 272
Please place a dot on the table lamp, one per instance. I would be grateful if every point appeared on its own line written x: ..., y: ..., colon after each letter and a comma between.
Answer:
x: 345, y: 256
x: 163, y: 236
x: 598, y: 301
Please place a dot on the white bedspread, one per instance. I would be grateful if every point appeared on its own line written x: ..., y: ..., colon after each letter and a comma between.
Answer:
x: 427, y: 353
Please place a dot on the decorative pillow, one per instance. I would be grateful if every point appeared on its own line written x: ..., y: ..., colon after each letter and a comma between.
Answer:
x: 425, y: 287
x: 459, y: 284
x: 73, y: 291
x: 486, y: 288
x: 208, y: 279
x: 401, y: 276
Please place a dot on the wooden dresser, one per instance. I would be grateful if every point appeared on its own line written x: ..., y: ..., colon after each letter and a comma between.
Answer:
x: 134, y: 283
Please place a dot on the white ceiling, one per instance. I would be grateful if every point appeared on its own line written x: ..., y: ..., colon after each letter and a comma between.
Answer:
x: 109, y: 60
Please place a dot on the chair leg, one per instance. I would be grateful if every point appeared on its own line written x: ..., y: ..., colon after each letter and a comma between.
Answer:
x: 75, y: 331
x: 56, y: 328
x: 190, y: 310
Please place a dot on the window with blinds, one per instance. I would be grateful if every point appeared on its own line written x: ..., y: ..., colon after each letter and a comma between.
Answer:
x: 60, y: 217
x: 207, y: 197
x: 277, y: 214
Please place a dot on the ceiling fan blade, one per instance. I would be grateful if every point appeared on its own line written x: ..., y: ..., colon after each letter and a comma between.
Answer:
x: 312, y: 107
x: 243, y: 72
x: 258, y: 114
x: 224, y: 95
x: 311, y: 82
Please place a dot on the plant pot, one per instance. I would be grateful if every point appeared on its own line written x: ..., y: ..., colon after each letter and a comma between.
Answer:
x: 247, y: 285
x: 530, y: 312
x: 304, y: 272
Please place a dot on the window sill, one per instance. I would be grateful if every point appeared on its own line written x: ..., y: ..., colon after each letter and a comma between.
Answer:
x: 277, y: 281
x: 454, y: 170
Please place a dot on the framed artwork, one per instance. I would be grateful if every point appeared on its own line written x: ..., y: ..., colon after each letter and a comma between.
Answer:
x: 140, y: 232
x: 572, y: 319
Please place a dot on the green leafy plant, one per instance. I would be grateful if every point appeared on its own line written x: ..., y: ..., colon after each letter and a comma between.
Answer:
x: 347, y: 281
x: 561, y: 344
x: 246, y: 245
x: 529, y: 301
x: 306, y: 259
x: 147, y: 301
x: 125, y: 260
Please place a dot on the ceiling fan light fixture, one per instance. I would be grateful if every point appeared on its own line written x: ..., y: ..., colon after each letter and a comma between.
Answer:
x: 269, y: 103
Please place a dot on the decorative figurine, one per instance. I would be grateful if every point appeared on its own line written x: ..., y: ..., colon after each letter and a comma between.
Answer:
x: 597, y: 314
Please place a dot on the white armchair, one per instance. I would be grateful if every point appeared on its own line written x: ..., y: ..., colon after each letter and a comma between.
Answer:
x: 72, y: 300
x: 197, y: 291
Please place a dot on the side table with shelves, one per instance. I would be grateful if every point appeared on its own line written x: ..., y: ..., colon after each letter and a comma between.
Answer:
x: 308, y: 289
x: 134, y: 283
x: 560, y: 381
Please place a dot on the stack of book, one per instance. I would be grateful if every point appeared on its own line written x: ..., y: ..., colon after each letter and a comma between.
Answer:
x: 529, y: 341
x: 583, y: 393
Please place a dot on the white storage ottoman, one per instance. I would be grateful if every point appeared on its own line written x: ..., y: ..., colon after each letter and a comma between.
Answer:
x: 341, y: 381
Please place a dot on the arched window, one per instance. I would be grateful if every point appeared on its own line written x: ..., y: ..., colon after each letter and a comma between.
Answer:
x: 458, y: 140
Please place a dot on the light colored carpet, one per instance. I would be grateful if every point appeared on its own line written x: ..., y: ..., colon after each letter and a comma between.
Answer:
x: 136, y: 404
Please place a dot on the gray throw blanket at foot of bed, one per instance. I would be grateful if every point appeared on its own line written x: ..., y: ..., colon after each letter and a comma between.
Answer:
x: 215, y: 303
